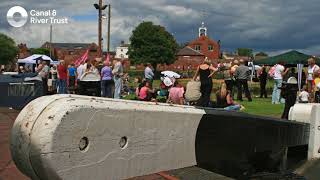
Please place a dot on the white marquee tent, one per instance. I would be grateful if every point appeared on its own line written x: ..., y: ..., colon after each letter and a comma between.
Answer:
x: 36, y: 58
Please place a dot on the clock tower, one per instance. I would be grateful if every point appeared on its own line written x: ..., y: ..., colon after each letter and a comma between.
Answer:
x: 202, y: 30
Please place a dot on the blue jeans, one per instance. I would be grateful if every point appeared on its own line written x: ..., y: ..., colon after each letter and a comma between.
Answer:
x: 233, y: 108
x: 62, y: 86
x: 276, y: 91
x: 117, y: 87
x: 106, y: 88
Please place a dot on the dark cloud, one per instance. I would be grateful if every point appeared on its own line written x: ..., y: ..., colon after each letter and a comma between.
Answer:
x: 262, y: 25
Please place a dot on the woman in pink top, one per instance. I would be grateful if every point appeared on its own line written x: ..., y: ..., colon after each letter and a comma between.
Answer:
x: 176, y: 94
x: 145, y: 93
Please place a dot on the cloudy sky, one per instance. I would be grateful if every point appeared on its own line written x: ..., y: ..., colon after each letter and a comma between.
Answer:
x: 272, y: 26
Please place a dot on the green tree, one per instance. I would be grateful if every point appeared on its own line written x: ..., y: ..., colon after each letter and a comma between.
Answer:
x: 8, y: 49
x: 152, y: 44
x: 244, y: 52
x: 261, y: 54
x: 44, y: 51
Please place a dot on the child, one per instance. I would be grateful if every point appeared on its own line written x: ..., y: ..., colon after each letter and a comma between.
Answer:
x: 304, y: 95
x: 139, y: 84
x: 146, y: 93
x: 176, y: 94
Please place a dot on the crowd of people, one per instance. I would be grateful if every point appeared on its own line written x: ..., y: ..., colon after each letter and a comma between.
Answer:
x: 64, y: 79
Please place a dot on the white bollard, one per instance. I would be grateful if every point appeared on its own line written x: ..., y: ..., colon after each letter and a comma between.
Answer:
x: 314, y: 139
x: 301, y: 112
x: 309, y: 113
x: 80, y: 137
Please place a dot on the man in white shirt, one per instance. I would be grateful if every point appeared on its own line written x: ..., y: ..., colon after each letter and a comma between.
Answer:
x: 279, y: 72
x: 148, y: 73
x: 80, y: 70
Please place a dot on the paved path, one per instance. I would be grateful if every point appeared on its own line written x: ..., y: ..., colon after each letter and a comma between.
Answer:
x: 8, y: 170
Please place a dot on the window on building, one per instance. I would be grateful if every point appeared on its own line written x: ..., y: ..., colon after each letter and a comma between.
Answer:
x: 121, y: 50
x: 197, y: 48
x: 71, y: 53
x: 210, y: 48
x: 121, y: 56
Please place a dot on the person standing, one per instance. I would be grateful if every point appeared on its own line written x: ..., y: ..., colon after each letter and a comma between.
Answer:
x: 54, y: 77
x: 263, y: 76
x: 43, y: 70
x: 62, y: 78
x: 72, y: 74
x: 242, y: 74
x: 80, y: 70
x: 117, y: 78
x: 106, y: 81
x: 148, y: 73
x: 312, y: 70
x: 279, y: 72
x: 228, y: 77
x: 205, y: 71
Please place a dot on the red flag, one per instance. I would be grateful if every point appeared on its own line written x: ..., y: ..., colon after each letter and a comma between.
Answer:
x: 107, y: 61
x: 82, y: 58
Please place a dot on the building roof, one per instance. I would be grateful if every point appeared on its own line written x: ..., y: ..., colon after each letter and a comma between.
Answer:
x: 289, y: 58
x: 188, y: 51
x: 71, y: 45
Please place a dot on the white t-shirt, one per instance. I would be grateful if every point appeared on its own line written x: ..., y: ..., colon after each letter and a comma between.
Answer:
x: 304, y: 96
x: 80, y: 71
x: 311, y: 71
x: 278, y: 72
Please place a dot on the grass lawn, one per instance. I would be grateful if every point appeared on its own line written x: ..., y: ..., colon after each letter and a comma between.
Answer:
x: 263, y: 107
x: 259, y: 106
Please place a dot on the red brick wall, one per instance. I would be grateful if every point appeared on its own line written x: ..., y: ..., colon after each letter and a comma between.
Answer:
x: 64, y: 54
x: 204, y: 42
x: 183, y: 63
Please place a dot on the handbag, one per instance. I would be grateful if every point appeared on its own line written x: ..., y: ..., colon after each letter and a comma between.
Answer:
x: 193, y: 91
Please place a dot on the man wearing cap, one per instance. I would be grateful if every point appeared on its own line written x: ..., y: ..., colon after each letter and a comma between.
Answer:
x: 242, y: 74
x: 117, y: 78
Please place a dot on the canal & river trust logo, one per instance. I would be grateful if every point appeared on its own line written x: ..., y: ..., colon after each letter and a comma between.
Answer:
x: 21, y: 16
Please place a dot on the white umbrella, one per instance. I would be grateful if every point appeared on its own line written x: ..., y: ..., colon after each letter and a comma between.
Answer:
x: 170, y: 74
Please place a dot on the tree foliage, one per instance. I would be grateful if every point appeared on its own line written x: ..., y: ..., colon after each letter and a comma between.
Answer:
x: 261, y: 54
x: 44, y: 51
x: 8, y: 49
x: 152, y: 44
x: 244, y: 52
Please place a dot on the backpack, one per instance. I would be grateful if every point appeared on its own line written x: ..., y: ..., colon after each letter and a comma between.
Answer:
x: 272, y: 71
x: 193, y: 91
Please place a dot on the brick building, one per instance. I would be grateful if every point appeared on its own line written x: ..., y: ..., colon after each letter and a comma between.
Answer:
x: 196, y: 51
x: 72, y: 51
x: 187, y: 58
